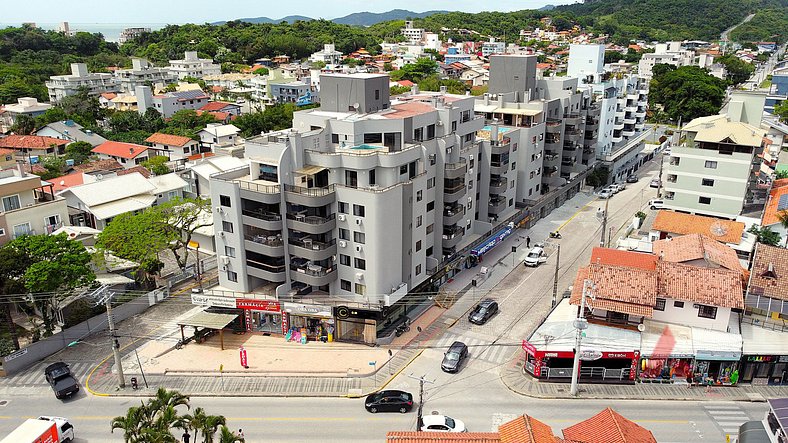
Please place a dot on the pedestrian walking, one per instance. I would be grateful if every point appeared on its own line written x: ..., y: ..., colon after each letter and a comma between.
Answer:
x: 709, y: 382
x: 689, y: 381
x: 186, y: 436
x: 527, y: 242
x: 241, y: 433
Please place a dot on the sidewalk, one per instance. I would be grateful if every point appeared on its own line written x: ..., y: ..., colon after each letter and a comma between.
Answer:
x: 514, y: 378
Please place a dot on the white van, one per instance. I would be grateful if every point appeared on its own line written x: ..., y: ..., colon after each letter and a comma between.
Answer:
x: 656, y: 204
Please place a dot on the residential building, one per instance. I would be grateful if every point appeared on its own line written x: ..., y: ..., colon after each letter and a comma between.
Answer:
x: 670, y: 53
x: 728, y: 232
x: 72, y: 132
x: 217, y: 135
x: 767, y: 293
x: 234, y: 82
x: 193, y: 66
x: 24, y: 106
x: 222, y: 107
x: 329, y: 55
x: 493, y: 47
x: 413, y: 35
x: 585, y: 60
x: 7, y: 158
x: 127, y: 154
x: 170, y: 102
x: 27, y: 146
x: 775, y: 208
x: 143, y: 73
x: 174, y: 147
x: 61, y: 86
x: 289, y: 92
x: 197, y: 172
x: 28, y: 206
x: 129, y: 34
x: 716, y: 171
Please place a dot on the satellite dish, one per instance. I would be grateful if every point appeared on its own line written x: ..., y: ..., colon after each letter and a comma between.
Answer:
x: 718, y: 229
x: 641, y: 327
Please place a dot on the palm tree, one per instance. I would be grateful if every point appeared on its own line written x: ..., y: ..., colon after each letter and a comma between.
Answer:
x: 131, y: 424
x: 166, y: 398
x: 782, y: 216
x: 228, y: 436
x: 206, y: 424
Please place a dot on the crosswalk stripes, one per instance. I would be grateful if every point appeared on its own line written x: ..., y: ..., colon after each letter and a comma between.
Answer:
x: 727, y: 416
x: 34, y: 375
x: 479, y: 349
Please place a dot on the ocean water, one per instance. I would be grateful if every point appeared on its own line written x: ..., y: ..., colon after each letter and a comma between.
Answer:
x: 111, y: 31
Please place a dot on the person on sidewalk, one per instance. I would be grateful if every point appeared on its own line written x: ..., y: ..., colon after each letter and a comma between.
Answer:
x: 527, y: 241
x: 241, y: 433
x: 689, y: 380
x: 709, y: 382
x: 186, y: 436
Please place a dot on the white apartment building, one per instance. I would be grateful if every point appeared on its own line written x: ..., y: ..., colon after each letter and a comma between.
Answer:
x: 170, y: 102
x: 329, y: 55
x: 716, y: 171
x: 670, y: 53
x: 28, y: 206
x: 142, y: 73
x: 60, y: 86
x: 130, y: 33
x: 493, y: 47
x: 193, y: 66
x: 414, y: 35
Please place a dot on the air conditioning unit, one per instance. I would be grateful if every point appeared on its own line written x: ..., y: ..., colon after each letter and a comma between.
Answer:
x: 359, y: 248
x: 440, y: 123
x: 341, y: 217
x: 224, y: 267
x: 225, y: 260
x: 358, y: 221
x: 359, y: 276
x: 221, y: 234
x: 470, y: 157
x: 342, y: 243
x: 470, y: 199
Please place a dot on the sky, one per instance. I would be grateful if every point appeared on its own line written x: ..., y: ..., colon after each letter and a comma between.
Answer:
x: 201, y: 11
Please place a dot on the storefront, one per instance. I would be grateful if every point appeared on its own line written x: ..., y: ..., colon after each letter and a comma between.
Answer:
x: 356, y: 325
x: 717, y: 355
x: 765, y: 356
x: 261, y: 315
x: 301, y: 322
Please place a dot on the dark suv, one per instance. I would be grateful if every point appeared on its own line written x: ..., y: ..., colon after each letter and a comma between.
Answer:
x: 59, y: 377
x: 389, y: 401
x: 454, y: 357
x: 483, y: 311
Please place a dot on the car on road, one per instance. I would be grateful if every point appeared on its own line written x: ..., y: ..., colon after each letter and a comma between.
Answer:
x: 58, y: 375
x: 656, y: 204
x: 655, y: 182
x: 618, y: 187
x: 483, y: 311
x: 535, y: 257
x: 454, y: 357
x: 442, y: 423
x: 605, y: 193
x: 389, y: 401
x: 632, y: 178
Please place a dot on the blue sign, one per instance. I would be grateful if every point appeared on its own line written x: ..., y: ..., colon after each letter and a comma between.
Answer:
x: 373, y: 363
x: 491, y: 242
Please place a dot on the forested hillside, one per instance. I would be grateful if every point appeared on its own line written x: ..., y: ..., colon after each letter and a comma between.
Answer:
x: 768, y: 25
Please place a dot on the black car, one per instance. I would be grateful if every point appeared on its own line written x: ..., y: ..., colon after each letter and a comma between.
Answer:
x: 59, y: 377
x: 483, y: 311
x: 454, y: 357
x: 389, y: 401
x: 632, y: 179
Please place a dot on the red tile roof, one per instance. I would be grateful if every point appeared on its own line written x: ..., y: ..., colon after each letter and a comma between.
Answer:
x: 441, y: 437
x: 67, y: 181
x: 770, y: 272
x: 525, y: 429
x: 120, y: 149
x: 626, y: 290
x: 608, y: 427
x: 99, y: 165
x: 216, y: 106
x: 695, y: 247
x: 200, y: 156
x: 5, y: 151
x: 708, y: 286
x: 629, y: 259
x: 216, y: 89
x: 30, y: 142
x: 771, y: 215
x: 109, y: 95
x: 168, y: 139
x: 725, y: 231
x: 406, y: 83
x: 139, y: 168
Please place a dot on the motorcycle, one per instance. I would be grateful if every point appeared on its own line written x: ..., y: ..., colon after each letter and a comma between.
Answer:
x: 403, y: 328
x: 555, y: 234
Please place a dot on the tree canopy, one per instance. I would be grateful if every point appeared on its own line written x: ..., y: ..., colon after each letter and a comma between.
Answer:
x: 686, y: 92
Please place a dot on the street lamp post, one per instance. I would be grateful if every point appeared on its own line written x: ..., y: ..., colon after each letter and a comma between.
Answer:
x: 580, y: 324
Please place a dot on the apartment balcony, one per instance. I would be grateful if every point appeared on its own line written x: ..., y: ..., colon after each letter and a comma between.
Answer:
x: 270, y: 245
x: 618, y: 125
x: 574, y: 135
x: 260, y: 218
x: 640, y: 113
x: 592, y: 124
x: 270, y: 194
x: 498, y: 168
x: 629, y: 119
x: 628, y: 132
x: 313, y: 275
x: 553, y: 125
x: 311, y: 224
x: 452, y: 236
x: 640, y: 125
x: 500, y: 147
x: 310, y: 196
x: 498, y: 186
x: 617, y: 138
x: 568, y: 161
x: 456, y: 170
x: 620, y: 113
x: 550, y: 156
x: 570, y: 146
x: 312, y: 249
x: 549, y: 171
x: 633, y: 95
x: 266, y: 271
x: 496, y: 206
x: 452, y: 214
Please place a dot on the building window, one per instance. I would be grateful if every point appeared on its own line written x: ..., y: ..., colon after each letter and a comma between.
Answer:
x: 418, y: 246
x: 678, y: 304
x: 430, y: 228
x: 359, y: 263
x: 704, y: 200
x: 343, y: 207
x: 419, y: 220
x: 428, y: 252
x: 471, y: 163
x: 707, y: 182
x: 224, y: 200
x: 361, y: 289
x: 419, y: 196
x: 377, y: 94
x: 232, y: 276
x: 344, y: 234
x: 11, y: 202
x: 418, y: 269
x: 359, y: 237
x: 470, y: 184
x: 22, y: 229
x: 430, y: 206
x: 227, y: 226
x: 710, y: 164
x: 660, y: 306
x: 229, y: 251
x: 707, y: 311
x: 344, y: 259
x: 345, y: 285
x: 2, y: 232
x: 403, y: 169
x: 372, y: 178
x: 514, y: 165
x: 430, y: 183
x: 358, y: 210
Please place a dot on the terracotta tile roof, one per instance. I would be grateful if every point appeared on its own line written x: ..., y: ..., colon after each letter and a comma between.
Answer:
x: 708, y: 286
x: 608, y: 427
x: 772, y: 282
x: 109, y: 95
x: 30, y: 142
x: 67, y: 181
x: 697, y: 247
x: 771, y: 212
x: 525, y: 429
x: 607, y: 304
x: 618, y: 257
x: 216, y: 106
x: 139, y: 168
x: 99, y: 165
x: 200, y: 156
x: 5, y: 151
x: 168, y: 139
x: 409, y: 109
x: 725, y: 231
x: 216, y: 89
x: 619, y: 284
x: 120, y: 149
x: 441, y: 437
x: 406, y: 83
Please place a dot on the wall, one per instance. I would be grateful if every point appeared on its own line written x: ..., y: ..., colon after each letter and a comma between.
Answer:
x: 688, y: 316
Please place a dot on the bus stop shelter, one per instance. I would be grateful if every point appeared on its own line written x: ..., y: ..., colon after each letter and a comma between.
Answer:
x: 208, y: 320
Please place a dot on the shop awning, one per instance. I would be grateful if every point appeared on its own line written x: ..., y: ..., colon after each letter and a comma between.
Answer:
x: 716, y: 345
x: 664, y: 340
x: 209, y: 320
x: 514, y: 111
x: 310, y: 170
x: 762, y: 341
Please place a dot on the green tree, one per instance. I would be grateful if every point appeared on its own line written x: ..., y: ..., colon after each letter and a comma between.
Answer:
x: 262, y: 71
x: 51, y: 115
x: 13, y: 264
x: 157, y: 165
x: 736, y: 70
x: 83, y: 107
x: 54, y: 166
x: 135, y: 237
x: 318, y: 65
x: 687, y: 92
x: 781, y: 111
x: 79, y: 151
x: 228, y: 436
x: 397, y: 90
x: 783, y: 173
x: 24, y: 125
x: 179, y: 219
x: 131, y: 424
x: 206, y: 424
x: 765, y: 235
x: 415, y: 72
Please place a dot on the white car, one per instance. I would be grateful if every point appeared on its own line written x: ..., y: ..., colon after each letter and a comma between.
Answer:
x: 656, y: 204
x: 605, y: 193
x: 442, y: 423
x: 535, y: 257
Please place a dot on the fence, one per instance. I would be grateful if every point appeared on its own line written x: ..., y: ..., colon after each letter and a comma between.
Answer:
x: 590, y: 372
x: 42, y: 349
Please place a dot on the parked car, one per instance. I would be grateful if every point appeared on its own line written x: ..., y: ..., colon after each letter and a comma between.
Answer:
x: 604, y: 193
x: 655, y: 182
x: 442, y: 423
x: 454, y: 357
x: 483, y: 311
x: 618, y: 187
x: 656, y: 204
x: 535, y: 257
x: 389, y: 401
x: 59, y: 377
x: 632, y: 178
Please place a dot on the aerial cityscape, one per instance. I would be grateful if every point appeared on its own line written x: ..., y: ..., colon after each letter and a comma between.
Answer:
x: 410, y: 222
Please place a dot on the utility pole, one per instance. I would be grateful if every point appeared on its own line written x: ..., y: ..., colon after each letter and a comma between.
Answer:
x: 420, y: 416
x: 604, y: 224
x: 580, y: 324
x: 115, y: 343
x: 555, y: 278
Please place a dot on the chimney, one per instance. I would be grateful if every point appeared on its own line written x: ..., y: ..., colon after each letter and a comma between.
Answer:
x: 131, y: 151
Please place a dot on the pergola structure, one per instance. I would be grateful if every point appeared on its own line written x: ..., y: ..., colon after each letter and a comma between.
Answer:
x: 209, y: 320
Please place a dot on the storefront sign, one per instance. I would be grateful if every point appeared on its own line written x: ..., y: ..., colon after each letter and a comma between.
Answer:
x: 258, y: 305
x: 633, y: 368
x: 702, y: 354
x: 244, y: 360
x: 590, y: 354
x: 761, y: 358
x: 343, y: 312
x: 285, y: 322
x: 529, y: 348
x: 308, y: 310
x: 16, y: 354
x: 490, y: 243
x: 213, y: 300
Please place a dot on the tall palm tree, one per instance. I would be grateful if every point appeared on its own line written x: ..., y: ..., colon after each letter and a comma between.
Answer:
x: 196, y: 420
x: 228, y: 436
x: 782, y: 216
x: 212, y: 423
x: 166, y: 398
x: 131, y: 424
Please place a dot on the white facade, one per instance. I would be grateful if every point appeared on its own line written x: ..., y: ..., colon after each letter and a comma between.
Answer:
x: 193, y: 66
x: 217, y: 135
x: 414, y: 35
x: 687, y: 313
x: 142, y: 73
x: 329, y: 55
x: 585, y: 60
x: 25, y: 209
x: 60, y: 86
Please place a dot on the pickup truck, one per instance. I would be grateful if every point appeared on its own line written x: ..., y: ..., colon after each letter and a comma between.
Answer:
x: 59, y: 377
x: 42, y: 430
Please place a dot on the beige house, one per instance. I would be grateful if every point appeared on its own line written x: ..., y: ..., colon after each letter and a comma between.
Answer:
x: 28, y: 206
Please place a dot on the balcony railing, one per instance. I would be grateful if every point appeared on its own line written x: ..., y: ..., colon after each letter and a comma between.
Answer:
x: 311, y: 192
x: 274, y: 268
x: 308, y: 243
x: 453, y: 188
x: 313, y: 270
x: 311, y: 219
x: 449, y: 234
x: 262, y: 215
x: 268, y: 240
